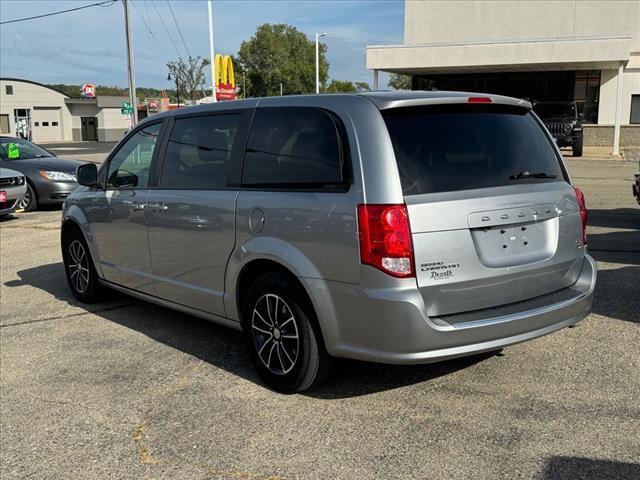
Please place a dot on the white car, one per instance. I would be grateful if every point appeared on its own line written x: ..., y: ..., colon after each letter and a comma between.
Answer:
x: 13, y: 186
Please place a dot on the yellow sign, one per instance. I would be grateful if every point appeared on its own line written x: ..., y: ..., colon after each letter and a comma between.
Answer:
x: 225, y: 78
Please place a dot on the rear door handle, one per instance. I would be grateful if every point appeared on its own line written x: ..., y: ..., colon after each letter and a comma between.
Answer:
x: 158, y: 207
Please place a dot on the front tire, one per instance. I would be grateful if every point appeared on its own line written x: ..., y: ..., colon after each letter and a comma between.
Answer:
x: 78, y: 265
x: 29, y: 202
x: 285, y: 343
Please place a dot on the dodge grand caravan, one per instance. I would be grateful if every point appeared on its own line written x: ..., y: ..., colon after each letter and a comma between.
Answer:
x: 390, y: 227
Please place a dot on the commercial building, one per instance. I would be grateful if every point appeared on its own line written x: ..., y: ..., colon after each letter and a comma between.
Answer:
x: 584, y: 51
x: 41, y: 114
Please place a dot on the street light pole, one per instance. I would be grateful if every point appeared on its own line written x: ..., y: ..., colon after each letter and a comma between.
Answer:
x: 211, y: 52
x: 177, y: 88
x: 318, y: 35
x: 130, y: 68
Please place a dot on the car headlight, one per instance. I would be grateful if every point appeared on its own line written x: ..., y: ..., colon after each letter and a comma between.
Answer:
x: 57, y: 176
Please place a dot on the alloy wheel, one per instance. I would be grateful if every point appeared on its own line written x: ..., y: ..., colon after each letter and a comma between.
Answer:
x: 275, y: 334
x: 78, y: 266
x: 25, y: 201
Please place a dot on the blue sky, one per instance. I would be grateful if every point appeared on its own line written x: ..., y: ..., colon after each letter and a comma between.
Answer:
x: 88, y: 46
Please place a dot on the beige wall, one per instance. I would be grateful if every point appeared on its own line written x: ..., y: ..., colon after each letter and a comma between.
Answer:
x: 491, y: 20
x: 28, y: 95
x: 608, y: 86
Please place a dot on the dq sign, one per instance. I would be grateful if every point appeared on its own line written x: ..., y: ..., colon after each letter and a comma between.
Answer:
x: 225, y: 78
x: 88, y: 90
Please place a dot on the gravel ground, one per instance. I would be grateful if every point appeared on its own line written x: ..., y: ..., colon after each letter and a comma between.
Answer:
x: 126, y: 389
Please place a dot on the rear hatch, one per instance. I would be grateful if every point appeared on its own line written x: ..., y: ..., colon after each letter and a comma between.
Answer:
x: 493, y: 217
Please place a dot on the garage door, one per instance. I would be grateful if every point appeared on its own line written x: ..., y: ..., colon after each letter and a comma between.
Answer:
x: 46, y: 125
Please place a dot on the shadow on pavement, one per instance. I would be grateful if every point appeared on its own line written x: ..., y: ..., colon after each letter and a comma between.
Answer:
x: 224, y: 347
x: 617, y: 294
x: 615, y: 218
x: 606, y: 247
x: 575, y: 468
x: 10, y: 217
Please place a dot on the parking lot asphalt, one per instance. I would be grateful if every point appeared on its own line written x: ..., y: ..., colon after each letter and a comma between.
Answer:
x: 126, y: 389
x: 84, y: 151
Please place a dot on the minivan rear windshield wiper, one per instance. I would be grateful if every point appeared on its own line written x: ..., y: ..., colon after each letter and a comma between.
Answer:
x: 520, y: 175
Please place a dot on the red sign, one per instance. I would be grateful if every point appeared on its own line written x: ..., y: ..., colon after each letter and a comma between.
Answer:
x: 225, y: 78
x: 88, y: 90
x: 225, y: 91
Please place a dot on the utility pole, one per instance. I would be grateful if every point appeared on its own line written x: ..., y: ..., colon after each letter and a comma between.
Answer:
x: 130, y: 68
x: 318, y: 35
x: 280, y: 88
x: 211, y: 52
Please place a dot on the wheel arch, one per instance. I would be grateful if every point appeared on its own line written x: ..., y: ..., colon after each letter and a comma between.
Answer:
x: 74, y: 218
x: 257, y: 267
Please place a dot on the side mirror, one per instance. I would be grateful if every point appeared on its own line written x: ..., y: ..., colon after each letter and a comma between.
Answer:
x: 87, y: 174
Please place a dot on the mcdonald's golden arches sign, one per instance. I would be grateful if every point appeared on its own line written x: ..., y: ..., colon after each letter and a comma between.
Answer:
x: 225, y: 78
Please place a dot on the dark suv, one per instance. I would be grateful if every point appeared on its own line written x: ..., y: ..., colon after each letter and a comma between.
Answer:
x: 563, y: 122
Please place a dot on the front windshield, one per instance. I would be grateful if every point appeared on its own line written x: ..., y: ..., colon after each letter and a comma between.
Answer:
x: 547, y: 110
x: 18, y: 149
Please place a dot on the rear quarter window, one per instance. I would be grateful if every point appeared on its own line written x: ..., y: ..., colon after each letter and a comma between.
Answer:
x: 462, y: 147
x: 293, y: 147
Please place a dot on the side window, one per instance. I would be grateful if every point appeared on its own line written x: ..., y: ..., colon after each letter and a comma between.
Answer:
x: 291, y: 146
x: 199, y: 151
x: 131, y: 164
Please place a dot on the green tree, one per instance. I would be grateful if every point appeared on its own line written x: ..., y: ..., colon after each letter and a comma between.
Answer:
x: 280, y: 53
x: 400, y: 81
x: 338, y: 86
x: 190, y: 75
x: 73, y: 91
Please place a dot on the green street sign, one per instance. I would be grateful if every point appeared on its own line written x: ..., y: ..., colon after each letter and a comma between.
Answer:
x: 127, y: 108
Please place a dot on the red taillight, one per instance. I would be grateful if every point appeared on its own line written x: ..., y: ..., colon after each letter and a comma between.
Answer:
x: 479, y: 100
x: 583, y: 214
x: 3, y: 197
x: 385, y: 239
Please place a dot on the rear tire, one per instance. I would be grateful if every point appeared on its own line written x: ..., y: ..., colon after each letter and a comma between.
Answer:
x: 281, y: 331
x: 577, y: 147
x: 78, y: 265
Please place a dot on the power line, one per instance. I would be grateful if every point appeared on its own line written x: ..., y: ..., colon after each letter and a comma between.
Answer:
x: 107, y: 3
x: 165, y: 28
x: 179, y: 30
x: 150, y: 31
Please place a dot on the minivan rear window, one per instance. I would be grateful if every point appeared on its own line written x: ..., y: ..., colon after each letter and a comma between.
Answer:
x: 448, y: 148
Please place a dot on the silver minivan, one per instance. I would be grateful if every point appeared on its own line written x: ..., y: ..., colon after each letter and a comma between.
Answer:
x: 390, y: 227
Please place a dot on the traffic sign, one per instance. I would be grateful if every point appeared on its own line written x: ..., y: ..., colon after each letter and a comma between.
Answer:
x: 127, y: 108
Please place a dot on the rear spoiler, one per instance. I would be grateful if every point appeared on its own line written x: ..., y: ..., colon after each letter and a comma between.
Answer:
x: 457, y: 98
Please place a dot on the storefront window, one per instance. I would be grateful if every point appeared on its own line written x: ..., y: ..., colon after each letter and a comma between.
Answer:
x: 583, y: 87
x: 587, y: 94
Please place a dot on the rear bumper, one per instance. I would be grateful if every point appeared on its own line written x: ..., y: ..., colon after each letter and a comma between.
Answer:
x: 389, y: 325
